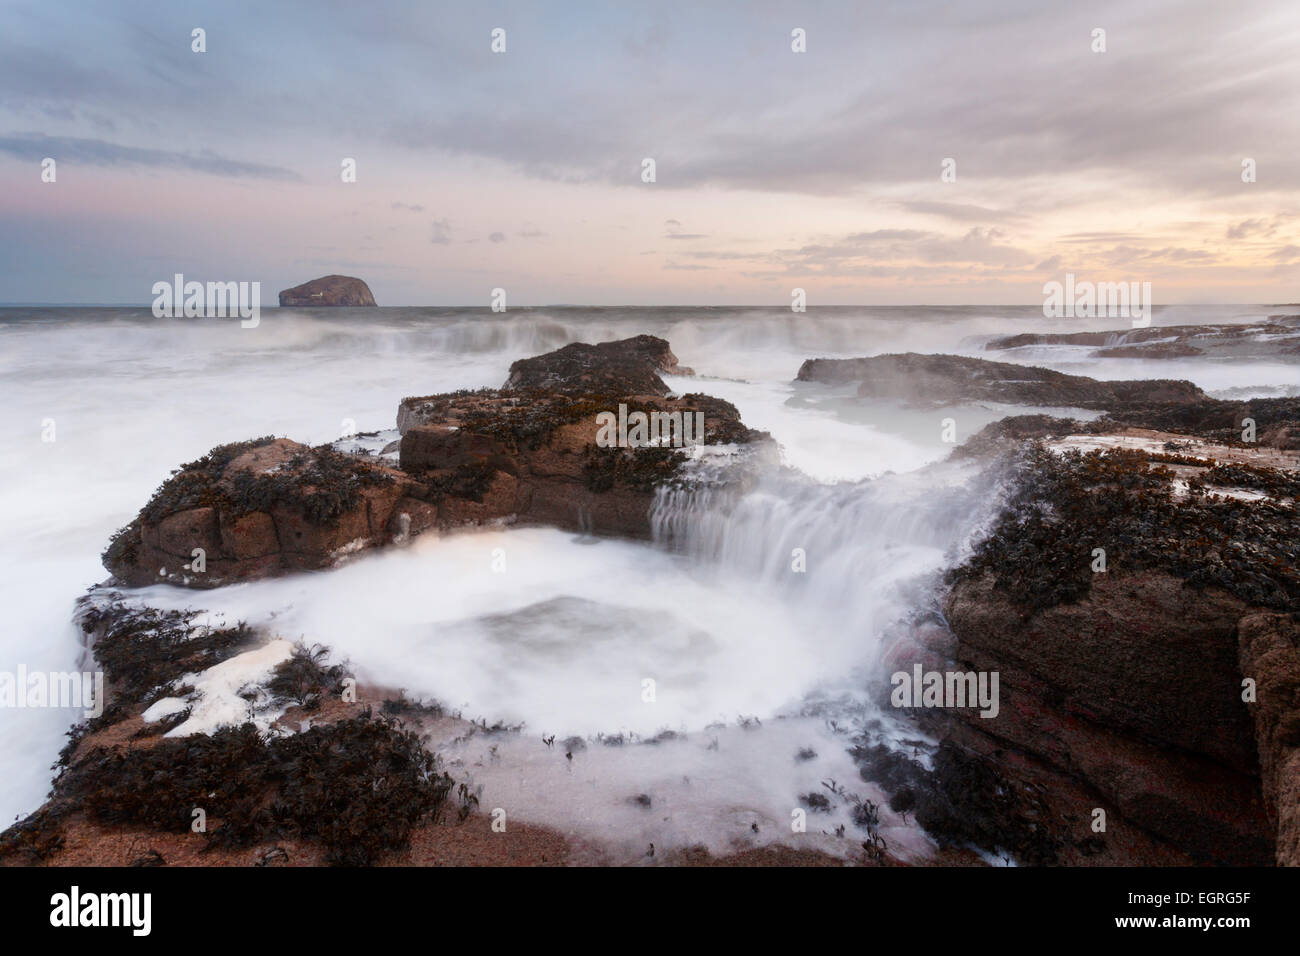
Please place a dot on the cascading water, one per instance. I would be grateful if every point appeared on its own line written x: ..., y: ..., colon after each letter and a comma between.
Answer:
x: 852, y: 557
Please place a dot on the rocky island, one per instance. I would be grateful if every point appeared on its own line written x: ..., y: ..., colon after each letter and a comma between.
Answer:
x: 333, y: 290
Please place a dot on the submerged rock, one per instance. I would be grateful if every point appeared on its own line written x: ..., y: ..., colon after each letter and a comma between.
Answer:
x: 952, y: 379
x: 1164, y: 341
x: 1153, y: 350
x: 331, y: 290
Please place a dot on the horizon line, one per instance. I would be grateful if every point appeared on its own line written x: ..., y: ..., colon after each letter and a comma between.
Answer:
x: 632, y: 305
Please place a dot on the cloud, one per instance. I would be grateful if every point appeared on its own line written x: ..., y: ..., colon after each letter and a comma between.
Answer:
x: 1090, y: 237
x: 674, y: 231
x: 858, y: 253
x: 97, y: 152
x: 497, y: 237
x: 1138, y: 150
x: 1249, y: 227
x: 960, y: 212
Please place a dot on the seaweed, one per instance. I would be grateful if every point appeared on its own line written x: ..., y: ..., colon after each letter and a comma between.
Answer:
x: 641, y: 469
x: 304, y: 677
x: 1040, y: 549
x: 358, y: 787
x: 323, y: 483
x: 142, y: 650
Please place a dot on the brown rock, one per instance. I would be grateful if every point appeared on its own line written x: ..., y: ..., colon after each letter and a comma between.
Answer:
x: 1270, y: 655
x: 1133, y: 690
x: 250, y: 536
x: 332, y: 290
x: 532, y: 454
x: 179, y: 534
x: 625, y: 367
x: 257, y: 508
x: 949, y: 379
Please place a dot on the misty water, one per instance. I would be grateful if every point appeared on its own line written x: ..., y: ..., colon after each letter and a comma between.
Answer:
x: 752, y: 661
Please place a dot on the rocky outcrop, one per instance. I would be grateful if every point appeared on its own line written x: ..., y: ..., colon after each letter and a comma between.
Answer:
x: 549, y: 455
x: 549, y: 450
x: 950, y: 379
x: 259, y: 508
x: 332, y: 290
x: 1153, y: 350
x: 338, y: 779
x: 1166, y: 341
x: 1134, y: 693
x: 1121, y: 683
x: 1275, y: 421
x: 626, y: 367
x: 1217, y: 427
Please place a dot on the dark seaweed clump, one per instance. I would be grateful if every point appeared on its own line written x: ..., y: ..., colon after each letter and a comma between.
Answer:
x: 470, y: 480
x: 1212, y: 419
x: 1270, y: 481
x: 532, y: 416
x: 1040, y: 551
x: 357, y: 786
x: 641, y: 469
x: 123, y: 548
x: 141, y: 650
x: 323, y: 483
x: 194, y: 484
x: 963, y: 801
x: 305, y: 678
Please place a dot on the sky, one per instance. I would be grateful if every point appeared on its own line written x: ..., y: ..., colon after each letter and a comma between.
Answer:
x: 773, y: 169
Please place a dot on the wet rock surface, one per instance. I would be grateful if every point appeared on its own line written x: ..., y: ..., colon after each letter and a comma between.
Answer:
x: 1121, y: 689
x: 931, y: 380
x: 532, y: 454
x: 626, y: 367
x: 257, y: 508
x: 1278, y: 332
x: 1269, y: 647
